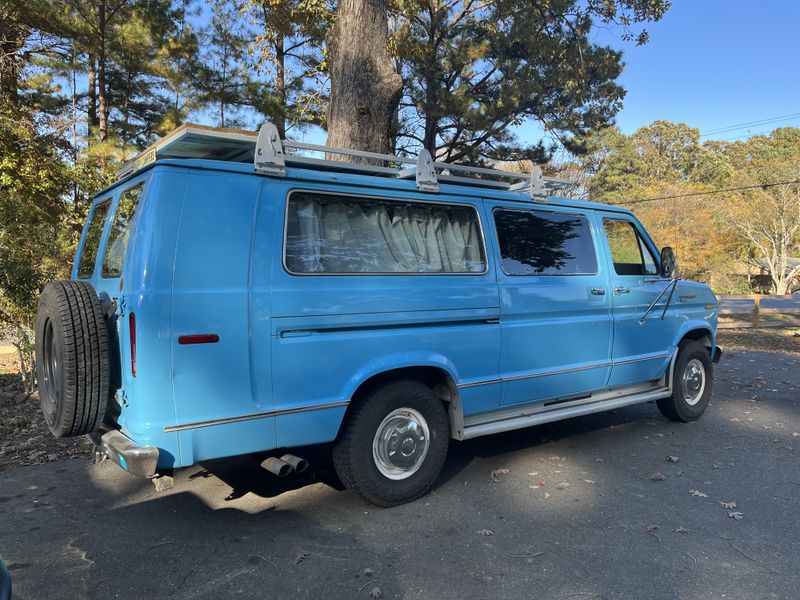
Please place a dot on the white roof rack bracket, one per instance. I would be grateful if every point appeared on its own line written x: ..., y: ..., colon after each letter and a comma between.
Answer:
x: 268, y: 158
x: 536, y: 185
x: 424, y: 172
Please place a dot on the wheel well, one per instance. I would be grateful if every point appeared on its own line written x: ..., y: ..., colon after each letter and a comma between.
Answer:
x: 435, y: 378
x: 701, y: 335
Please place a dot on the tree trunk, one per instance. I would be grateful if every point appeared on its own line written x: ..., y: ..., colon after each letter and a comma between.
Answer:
x: 12, y: 39
x: 91, y: 109
x: 365, y: 87
x: 101, y: 72
x: 280, y: 85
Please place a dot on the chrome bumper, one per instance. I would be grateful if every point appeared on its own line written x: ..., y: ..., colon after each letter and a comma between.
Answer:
x: 135, y: 459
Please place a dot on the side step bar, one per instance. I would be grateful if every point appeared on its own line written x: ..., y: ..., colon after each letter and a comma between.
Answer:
x: 519, y: 417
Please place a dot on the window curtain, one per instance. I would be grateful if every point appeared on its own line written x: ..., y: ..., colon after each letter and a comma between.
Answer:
x: 331, y: 234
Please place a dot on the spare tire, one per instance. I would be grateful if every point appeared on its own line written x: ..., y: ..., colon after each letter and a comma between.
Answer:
x: 72, y: 361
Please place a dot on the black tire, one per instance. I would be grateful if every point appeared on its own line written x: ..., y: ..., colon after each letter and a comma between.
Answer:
x: 72, y: 360
x: 353, y: 455
x: 676, y: 407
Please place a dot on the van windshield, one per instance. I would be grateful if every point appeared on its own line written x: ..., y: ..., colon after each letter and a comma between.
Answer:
x: 120, y: 231
x: 92, y: 241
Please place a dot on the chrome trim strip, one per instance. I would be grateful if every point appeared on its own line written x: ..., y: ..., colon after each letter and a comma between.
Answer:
x: 526, y: 419
x: 562, y: 371
x: 252, y: 416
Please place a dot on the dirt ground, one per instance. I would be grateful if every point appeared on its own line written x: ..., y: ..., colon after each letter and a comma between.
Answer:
x: 24, y: 437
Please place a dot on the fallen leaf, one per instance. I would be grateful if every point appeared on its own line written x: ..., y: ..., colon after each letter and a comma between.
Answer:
x: 657, y: 476
x: 681, y: 529
x: 698, y: 493
x: 672, y: 459
x: 736, y: 515
x: 300, y: 557
x: 652, y: 528
x: 755, y: 398
x: 589, y: 481
x: 485, y: 532
x: 728, y: 504
x: 796, y: 434
x: 375, y: 593
x: 546, y: 495
x: 562, y: 486
x: 495, y: 476
x: 599, y: 460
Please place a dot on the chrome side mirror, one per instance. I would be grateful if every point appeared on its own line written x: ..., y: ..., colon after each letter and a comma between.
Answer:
x: 668, y: 262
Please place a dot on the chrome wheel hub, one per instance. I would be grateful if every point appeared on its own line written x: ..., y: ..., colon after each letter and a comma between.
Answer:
x: 693, y: 382
x: 401, y: 443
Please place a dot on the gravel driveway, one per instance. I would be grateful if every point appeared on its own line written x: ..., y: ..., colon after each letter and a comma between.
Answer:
x: 585, y: 509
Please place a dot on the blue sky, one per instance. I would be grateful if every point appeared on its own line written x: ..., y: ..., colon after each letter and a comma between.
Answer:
x: 712, y: 64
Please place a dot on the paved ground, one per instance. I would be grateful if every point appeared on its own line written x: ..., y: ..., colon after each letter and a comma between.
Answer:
x: 577, y: 516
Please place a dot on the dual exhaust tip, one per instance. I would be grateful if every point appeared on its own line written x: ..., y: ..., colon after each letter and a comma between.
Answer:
x: 286, y: 464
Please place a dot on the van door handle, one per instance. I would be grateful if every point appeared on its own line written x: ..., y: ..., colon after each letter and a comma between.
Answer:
x: 599, y: 291
x: 622, y: 290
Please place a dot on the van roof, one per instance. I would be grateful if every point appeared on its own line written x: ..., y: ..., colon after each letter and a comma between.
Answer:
x: 365, y: 182
x: 264, y: 153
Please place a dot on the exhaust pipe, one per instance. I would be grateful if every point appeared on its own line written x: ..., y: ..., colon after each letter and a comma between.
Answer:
x: 277, y: 467
x: 298, y: 464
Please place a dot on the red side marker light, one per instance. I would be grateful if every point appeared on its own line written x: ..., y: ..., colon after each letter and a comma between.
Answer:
x: 132, y: 336
x: 201, y: 338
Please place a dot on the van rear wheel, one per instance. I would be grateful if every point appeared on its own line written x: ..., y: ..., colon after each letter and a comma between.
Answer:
x: 691, y: 383
x: 72, y: 362
x: 394, y: 443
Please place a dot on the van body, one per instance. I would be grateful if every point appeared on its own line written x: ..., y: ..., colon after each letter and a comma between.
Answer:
x: 251, y: 313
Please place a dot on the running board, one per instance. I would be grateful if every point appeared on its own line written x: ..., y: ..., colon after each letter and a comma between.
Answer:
x: 537, y: 414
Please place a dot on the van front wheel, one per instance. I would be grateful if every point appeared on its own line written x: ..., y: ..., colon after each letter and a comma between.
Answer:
x: 691, y: 383
x: 394, y: 443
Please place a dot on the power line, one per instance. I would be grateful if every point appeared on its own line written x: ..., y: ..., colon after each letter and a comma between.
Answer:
x: 719, y: 191
x: 746, y: 124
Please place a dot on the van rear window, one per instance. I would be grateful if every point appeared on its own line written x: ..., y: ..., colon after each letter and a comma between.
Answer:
x: 120, y: 231
x: 92, y: 241
x: 537, y: 242
x: 342, y: 234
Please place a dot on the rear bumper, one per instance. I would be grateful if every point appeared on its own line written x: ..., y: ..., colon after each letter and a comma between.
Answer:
x: 135, y: 459
x: 717, y: 354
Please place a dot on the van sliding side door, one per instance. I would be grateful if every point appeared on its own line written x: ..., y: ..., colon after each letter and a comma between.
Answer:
x: 554, y: 301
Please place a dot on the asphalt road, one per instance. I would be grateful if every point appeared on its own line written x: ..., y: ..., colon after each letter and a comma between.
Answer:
x: 577, y: 516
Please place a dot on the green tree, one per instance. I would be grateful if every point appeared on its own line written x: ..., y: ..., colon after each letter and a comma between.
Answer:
x: 473, y: 69
x: 289, y: 37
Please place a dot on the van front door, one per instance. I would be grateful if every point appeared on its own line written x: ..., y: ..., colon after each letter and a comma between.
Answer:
x: 641, y: 345
x: 555, y: 304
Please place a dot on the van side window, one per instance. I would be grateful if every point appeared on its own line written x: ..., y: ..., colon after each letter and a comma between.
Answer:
x: 535, y: 242
x: 335, y: 234
x: 630, y: 254
x: 120, y: 231
x: 92, y: 242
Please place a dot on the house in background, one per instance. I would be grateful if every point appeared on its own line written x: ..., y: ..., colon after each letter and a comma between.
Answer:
x: 760, y: 278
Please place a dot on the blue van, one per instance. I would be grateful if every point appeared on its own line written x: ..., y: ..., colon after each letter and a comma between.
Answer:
x: 234, y: 293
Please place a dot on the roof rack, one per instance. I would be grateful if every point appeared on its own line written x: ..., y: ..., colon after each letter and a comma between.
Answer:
x: 270, y: 155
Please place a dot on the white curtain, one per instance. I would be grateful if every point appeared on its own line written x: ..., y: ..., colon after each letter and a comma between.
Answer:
x: 334, y: 234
